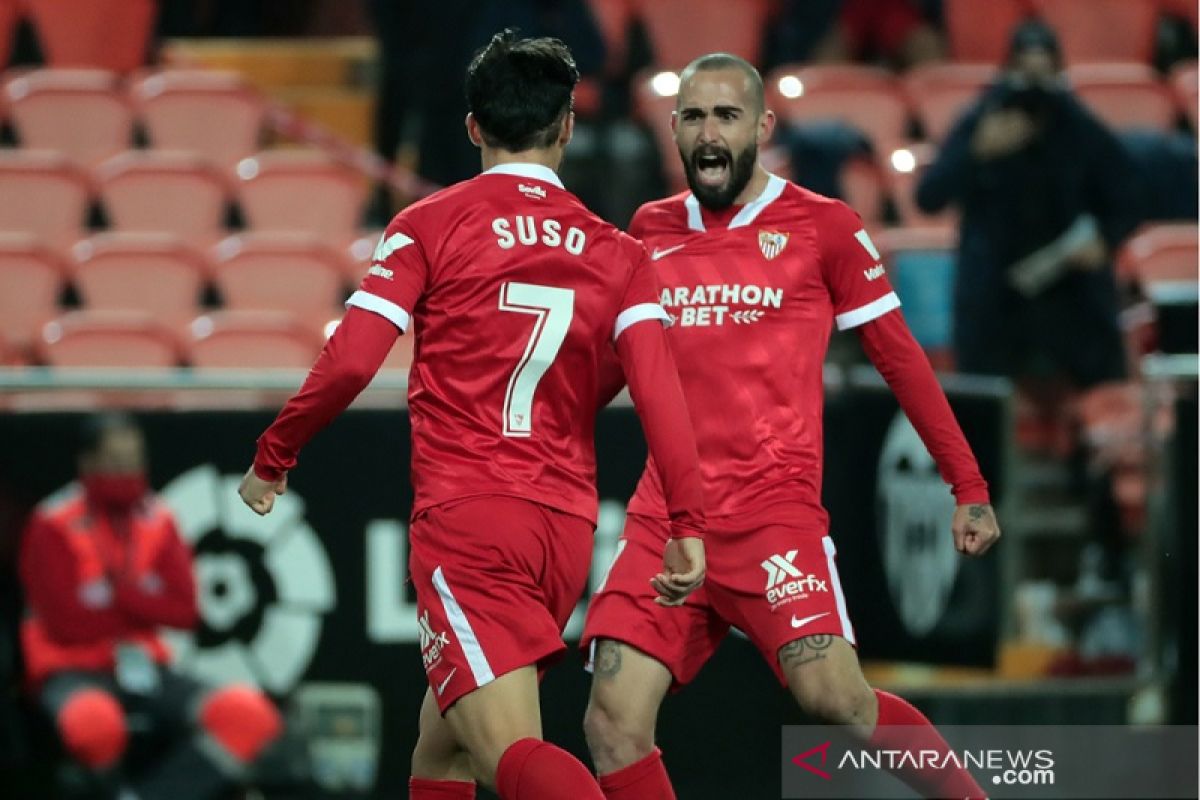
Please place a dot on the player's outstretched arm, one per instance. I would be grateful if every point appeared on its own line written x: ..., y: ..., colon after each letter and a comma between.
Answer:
x: 658, y: 397
x: 346, y: 365
x: 903, y: 364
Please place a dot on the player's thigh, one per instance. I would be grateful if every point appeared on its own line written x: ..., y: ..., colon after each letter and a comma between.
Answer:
x: 491, y: 718
x: 479, y: 570
x: 824, y: 676
x: 628, y: 687
x: 778, y: 582
x: 680, y: 638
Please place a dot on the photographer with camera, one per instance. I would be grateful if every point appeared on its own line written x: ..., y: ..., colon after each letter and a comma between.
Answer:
x: 1046, y: 194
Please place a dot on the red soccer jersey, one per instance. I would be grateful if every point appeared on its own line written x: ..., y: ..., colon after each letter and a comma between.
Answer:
x: 515, y: 291
x: 755, y: 292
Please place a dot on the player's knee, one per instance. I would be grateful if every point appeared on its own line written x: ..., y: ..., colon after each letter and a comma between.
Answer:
x: 838, y: 703
x: 242, y: 720
x: 92, y: 726
x: 615, y: 737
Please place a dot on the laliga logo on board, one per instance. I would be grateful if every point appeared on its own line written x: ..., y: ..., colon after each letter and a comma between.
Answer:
x: 263, y: 582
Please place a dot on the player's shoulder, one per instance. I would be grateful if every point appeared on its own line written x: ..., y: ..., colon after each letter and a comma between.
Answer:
x: 818, y: 207
x: 665, y: 216
x: 63, y: 505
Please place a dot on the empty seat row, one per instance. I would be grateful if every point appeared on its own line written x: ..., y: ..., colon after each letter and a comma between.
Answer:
x: 165, y: 278
x: 176, y: 192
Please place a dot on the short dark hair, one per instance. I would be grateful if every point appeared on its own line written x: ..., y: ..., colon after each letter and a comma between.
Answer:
x: 96, y: 427
x: 520, y: 89
x: 715, y: 61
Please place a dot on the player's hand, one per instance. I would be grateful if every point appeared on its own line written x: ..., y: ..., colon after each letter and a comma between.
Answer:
x: 1002, y: 132
x: 260, y: 494
x: 683, y: 571
x: 975, y: 528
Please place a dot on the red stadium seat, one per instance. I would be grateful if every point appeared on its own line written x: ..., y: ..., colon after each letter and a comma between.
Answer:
x: 172, y: 192
x: 1187, y: 10
x: 154, y: 273
x: 1125, y: 95
x: 1103, y: 30
x: 107, y: 339
x: 78, y: 112
x: 1187, y: 89
x: 53, y: 194
x: 1162, y: 253
x: 290, y: 190
x: 212, y: 113
x: 903, y: 169
x: 865, y: 97
x: 110, y: 34
x: 681, y: 30
x: 865, y: 190
x: 31, y: 279
x: 979, y: 31
x: 10, y: 15
x: 613, y: 18
x: 281, y: 272
x: 941, y: 93
x: 252, y: 340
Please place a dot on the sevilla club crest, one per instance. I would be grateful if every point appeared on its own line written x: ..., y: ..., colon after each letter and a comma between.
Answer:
x: 772, y: 243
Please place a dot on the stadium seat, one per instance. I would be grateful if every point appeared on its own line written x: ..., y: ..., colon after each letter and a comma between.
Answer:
x: 941, y: 93
x: 1125, y: 95
x: 613, y: 19
x: 109, y: 34
x: 31, y: 279
x: 921, y: 267
x: 1187, y: 89
x: 1103, y: 30
x: 172, y: 192
x: 281, y: 272
x: 902, y: 169
x: 290, y: 190
x: 865, y: 190
x: 1161, y: 253
x: 155, y: 273
x: 54, y: 196
x: 107, y: 339
x: 78, y: 112
x: 681, y: 30
x: 10, y: 15
x: 1187, y: 10
x: 252, y: 340
x: 979, y: 32
x: 867, y: 98
x: 213, y: 113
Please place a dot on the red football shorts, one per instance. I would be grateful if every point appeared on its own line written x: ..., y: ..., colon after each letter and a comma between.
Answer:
x: 774, y: 581
x: 496, y: 580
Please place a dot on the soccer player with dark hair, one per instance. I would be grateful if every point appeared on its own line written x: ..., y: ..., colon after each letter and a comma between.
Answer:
x: 757, y: 271
x: 517, y: 295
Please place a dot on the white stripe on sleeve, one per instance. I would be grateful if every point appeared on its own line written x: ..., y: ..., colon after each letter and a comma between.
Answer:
x: 640, y: 313
x: 476, y: 660
x: 864, y: 314
x: 384, y: 308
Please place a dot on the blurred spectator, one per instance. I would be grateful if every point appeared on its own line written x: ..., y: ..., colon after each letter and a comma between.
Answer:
x: 422, y: 45
x: 1166, y: 167
x: 1045, y: 195
x: 102, y: 567
x: 897, y: 33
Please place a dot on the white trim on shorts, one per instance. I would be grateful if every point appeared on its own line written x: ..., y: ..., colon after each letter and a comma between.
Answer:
x: 838, y: 597
x: 481, y: 670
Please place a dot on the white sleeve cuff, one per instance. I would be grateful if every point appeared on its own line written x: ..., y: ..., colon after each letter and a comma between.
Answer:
x: 384, y: 308
x: 864, y: 314
x: 640, y: 313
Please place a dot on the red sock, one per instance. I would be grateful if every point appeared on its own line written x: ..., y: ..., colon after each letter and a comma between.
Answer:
x: 531, y: 769
x: 426, y: 789
x: 642, y: 780
x: 902, y: 727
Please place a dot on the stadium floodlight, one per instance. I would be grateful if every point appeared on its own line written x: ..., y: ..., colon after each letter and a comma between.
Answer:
x: 903, y: 160
x: 665, y: 84
x: 791, y: 87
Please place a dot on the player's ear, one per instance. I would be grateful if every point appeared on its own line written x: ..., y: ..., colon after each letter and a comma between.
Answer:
x: 473, y: 132
x: 568, y: 129
x: 766, y: 127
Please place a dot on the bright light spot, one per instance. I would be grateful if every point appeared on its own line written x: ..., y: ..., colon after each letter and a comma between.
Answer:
x: 665, y: 84
x: 791, y: 87
x: 903, y: 160
x: 330, y: 327
x: 247, y: 168
x: 52, y: 332
x: 202, y: 327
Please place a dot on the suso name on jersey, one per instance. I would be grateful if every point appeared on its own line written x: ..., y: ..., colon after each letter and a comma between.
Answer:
x: 524, y: 229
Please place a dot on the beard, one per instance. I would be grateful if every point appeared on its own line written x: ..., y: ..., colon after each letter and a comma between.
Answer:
x: 738, y: 172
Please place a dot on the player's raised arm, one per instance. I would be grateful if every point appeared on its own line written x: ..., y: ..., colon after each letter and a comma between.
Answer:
x: 658, y: 397
x: 864, y: 300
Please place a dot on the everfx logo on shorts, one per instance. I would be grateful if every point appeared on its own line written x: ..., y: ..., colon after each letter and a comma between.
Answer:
x: 432, y: 643
x: 785, y: 580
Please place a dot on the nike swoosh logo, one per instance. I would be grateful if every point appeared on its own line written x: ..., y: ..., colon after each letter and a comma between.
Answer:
x: 442, y: 686
x: 657, y: 254
x: 800, y: 623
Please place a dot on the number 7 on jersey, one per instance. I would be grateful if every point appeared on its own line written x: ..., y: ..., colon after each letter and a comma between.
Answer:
x: 554, y: 309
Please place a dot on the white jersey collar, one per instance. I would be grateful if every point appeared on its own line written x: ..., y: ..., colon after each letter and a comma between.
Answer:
x: 750, y: 211
x: 537, y: 172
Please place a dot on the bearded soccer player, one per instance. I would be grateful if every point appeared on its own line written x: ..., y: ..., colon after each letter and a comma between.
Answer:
x: 516, y: 293
x: 757, y: 271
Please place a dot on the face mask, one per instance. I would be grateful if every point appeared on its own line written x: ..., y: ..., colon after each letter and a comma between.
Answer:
x: 115, y: 491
